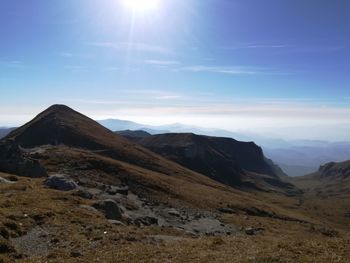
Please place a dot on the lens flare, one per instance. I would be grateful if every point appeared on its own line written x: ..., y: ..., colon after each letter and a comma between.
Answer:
x: 141, y: 5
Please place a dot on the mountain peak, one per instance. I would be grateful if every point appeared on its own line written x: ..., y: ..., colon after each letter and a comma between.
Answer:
x: 58, y: 107
x: 59, y: 124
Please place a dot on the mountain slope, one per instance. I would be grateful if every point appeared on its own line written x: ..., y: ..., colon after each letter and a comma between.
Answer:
x: 5, y: 131
x: 222, y: 159
x: 331, y: 179
x: 334, y: 171
x: 60, y: 125
x: 296, y: 157
x: 133, y: 134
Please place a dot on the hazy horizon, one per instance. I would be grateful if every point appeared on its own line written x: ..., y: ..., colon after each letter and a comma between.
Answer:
x: 308, y: 132
x: 283, y: 74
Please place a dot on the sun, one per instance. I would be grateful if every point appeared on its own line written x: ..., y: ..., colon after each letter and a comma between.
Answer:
x: 141, y: 5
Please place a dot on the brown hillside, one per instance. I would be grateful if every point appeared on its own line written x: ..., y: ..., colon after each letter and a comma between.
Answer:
x: 226, y: 160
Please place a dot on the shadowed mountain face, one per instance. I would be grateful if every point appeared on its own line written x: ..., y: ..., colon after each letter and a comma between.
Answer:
x: 5, y: 131
x: 133, y: 134
x: 334, y: 171
x: 222, y: 159
x: 60, y: 125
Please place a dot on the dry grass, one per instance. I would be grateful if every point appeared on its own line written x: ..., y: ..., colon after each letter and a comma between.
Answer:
x: 80, y: 230
x: 79, y: 235
x: 299, y: 248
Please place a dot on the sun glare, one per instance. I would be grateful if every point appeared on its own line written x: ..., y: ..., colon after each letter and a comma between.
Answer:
x: 141, y: 5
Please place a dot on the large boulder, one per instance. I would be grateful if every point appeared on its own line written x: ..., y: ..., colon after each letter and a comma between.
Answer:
x: 146, y: 221
x: 61, y: 182
x: 110, y: 208
x: 15, y: 161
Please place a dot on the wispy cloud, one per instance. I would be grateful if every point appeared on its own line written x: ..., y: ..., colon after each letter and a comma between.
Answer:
x: 74, y: 55
x: 275, y: 113
x: 289, y: 48
x: 15, y: 64
x: 260, y: 46
x: 169, y: 97
x: 142, y: 47
x: 95, y: 101
x: 111, y: 69
x: 161, y: 62
x: 76, y: 68
x: 235, y: 70
x: 317, y: 48
x: 66, y: 54
x: 222, y: 70
x: 132, y: 97
x: 269, y: 46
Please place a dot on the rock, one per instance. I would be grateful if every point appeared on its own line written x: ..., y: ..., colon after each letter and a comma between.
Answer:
x: 123, y: 190
x: 146, y: 221
x: 83, y: 194
x: 75, y: 254
x: 12, y: 178
x: 113, y: 190
x: 324, y: 230
x: 110, y: 209
x: 13, y: 160
x: 208, y: 226
x: 5, y: 181
x: 227, y: 210
x: 197, y: 216
x: 253, y: 211
x: 174, y: 212
x: 4, y: 232
x: 61, y: 182
x: 6, y: 247
x: 116, y: 222
x: 251, y: 231
x: 90, y: 208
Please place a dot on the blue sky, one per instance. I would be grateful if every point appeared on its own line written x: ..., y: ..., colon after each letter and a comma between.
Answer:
x: 249, y: 65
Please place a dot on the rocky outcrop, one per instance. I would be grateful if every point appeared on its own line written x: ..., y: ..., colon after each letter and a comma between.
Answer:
x: 14, y: 160
x: 61, y: 182
x: 225, y: 160
x: 110, y: 209
x: 334, y: 171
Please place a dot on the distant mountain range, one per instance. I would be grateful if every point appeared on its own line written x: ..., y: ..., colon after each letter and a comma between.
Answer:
x: 331, y: 179
x: 303, y: 159
x: 296, y: 158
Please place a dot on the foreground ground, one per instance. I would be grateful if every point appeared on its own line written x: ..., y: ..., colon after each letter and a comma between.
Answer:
x: 39, y: 224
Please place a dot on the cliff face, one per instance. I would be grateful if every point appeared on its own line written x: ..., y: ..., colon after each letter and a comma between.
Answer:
x: 223, y: 159
x: 332, y: 171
